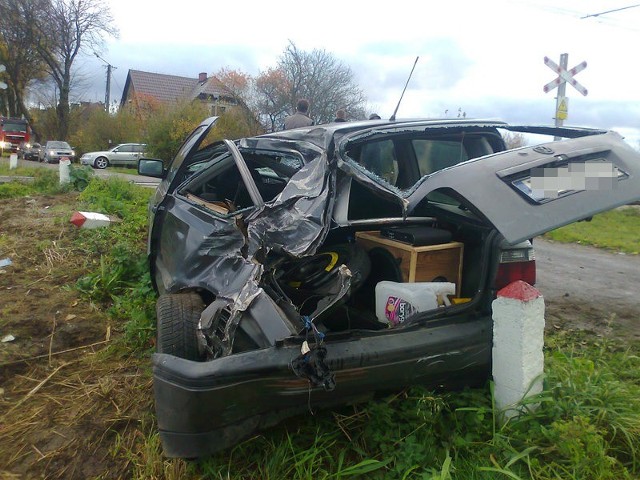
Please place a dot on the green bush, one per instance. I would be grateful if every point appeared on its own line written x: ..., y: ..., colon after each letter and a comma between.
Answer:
x: 101, y: 130
x: 169, y: 126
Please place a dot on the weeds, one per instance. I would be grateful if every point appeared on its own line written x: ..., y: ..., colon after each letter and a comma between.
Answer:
x: 31, y: 181
x: 586, y: 425
x: 599, y: 232
x: 121, y: 282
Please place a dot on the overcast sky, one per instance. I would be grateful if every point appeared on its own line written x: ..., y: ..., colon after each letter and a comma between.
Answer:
x: 485, y: 58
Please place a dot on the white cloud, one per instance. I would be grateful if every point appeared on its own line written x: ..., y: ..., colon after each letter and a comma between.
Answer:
x: 484, y: 57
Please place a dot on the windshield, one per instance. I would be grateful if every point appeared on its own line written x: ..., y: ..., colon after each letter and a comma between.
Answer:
x: 14, y: 126
x: 58, y: 145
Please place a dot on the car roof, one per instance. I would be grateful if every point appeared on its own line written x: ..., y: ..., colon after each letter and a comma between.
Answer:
x: 325, y: 134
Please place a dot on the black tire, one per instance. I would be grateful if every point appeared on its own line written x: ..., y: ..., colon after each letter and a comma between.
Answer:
x: 177, y: 321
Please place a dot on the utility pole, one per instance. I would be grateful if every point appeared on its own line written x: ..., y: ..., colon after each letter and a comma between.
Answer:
x: 107, y: 93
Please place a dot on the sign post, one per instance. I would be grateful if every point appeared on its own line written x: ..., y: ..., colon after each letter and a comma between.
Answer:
x: 564, y: 76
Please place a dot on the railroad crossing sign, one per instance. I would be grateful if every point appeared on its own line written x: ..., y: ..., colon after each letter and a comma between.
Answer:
x: 564, y: 75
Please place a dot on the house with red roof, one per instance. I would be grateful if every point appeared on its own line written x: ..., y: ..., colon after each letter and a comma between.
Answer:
x: 145, y: 87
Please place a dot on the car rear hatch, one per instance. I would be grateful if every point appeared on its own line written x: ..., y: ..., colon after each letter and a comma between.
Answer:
x: 529, y: 191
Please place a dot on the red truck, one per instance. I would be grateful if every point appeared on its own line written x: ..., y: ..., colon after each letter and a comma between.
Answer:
x: 14, y: 133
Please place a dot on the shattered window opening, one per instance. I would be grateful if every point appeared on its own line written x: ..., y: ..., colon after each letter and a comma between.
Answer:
x: 219, y: 184
x: 401, y: 162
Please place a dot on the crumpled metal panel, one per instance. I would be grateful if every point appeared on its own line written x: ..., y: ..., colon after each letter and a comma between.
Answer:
x: 224, y: 255
x: 296, y: 221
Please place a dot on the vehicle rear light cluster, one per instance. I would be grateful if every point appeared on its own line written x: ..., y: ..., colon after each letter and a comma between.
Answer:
x: 516, y: 264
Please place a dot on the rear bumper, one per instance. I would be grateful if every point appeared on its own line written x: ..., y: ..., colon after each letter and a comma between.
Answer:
x: 206, y: 407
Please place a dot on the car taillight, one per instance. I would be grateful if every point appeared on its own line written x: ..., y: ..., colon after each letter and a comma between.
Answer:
x: 516, y: 264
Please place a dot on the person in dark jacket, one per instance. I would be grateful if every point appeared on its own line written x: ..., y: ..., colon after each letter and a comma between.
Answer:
x: 300, y: 118
x: 341, y: 116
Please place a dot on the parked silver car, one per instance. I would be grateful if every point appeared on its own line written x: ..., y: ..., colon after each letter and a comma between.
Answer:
x: 123, y: 155
x: 56, y: 150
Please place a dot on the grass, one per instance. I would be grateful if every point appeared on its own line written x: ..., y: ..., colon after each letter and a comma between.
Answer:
x: 586, y: 426
x: 616, y: 230
x: 34, y: 180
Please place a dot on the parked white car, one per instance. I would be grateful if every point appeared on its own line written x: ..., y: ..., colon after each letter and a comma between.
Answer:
x: 56, y: 150
x: 123, y: 155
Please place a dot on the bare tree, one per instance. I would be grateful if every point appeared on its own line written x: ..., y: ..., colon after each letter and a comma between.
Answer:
x: 326, y: 82
x: 514, y: 139
x: 17, y: 52
x: 67, y: 28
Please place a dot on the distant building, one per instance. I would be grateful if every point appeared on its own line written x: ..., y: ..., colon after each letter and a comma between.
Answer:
x: 146, y: 87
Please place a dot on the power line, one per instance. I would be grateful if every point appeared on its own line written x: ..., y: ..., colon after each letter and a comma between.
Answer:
x: 609, y: 11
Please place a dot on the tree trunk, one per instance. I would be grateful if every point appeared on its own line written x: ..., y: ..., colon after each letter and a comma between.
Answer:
x: 62, y: 110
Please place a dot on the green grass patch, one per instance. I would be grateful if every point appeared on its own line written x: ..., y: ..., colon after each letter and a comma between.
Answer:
x: 586, y: 426
x: 119, y: 278
x: 33, y: 181
x: 616, y: 230
x: 127, y: 170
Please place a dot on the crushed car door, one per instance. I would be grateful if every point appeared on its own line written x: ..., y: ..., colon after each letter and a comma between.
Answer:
x: 528, y: 191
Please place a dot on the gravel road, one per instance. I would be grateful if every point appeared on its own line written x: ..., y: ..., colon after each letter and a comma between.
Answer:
x: 585, y: 287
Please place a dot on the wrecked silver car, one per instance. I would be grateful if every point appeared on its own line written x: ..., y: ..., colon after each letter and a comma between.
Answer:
x: 317, y: 266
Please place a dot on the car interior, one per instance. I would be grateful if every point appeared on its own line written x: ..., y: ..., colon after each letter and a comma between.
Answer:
x: 400, y: 162
x: 221, y: 183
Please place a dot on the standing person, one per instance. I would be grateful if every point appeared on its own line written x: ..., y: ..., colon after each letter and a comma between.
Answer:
x: 374, y: 116
x: 341, y: 116
x: 300, y: 118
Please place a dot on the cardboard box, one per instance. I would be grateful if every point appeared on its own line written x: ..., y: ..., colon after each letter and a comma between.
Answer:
x: 421, y: 264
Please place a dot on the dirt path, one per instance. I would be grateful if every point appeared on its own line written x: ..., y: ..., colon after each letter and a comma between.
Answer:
x: 588, y: 288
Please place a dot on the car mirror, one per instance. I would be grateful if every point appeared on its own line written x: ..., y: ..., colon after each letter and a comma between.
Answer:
x: 151, y: 167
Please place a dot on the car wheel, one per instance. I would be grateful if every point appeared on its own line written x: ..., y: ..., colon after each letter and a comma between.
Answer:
x: 101, y: 163
x: 178, y: 315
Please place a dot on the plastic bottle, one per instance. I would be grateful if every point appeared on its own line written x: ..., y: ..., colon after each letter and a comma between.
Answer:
x: 396, y: 302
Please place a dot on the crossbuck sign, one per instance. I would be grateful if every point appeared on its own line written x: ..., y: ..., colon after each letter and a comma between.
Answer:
x: 564, y: 75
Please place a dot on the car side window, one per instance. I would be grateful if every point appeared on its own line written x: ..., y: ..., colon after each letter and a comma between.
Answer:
x: 126, y: 149
x: 379, y: 158
x: 435, y: 155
